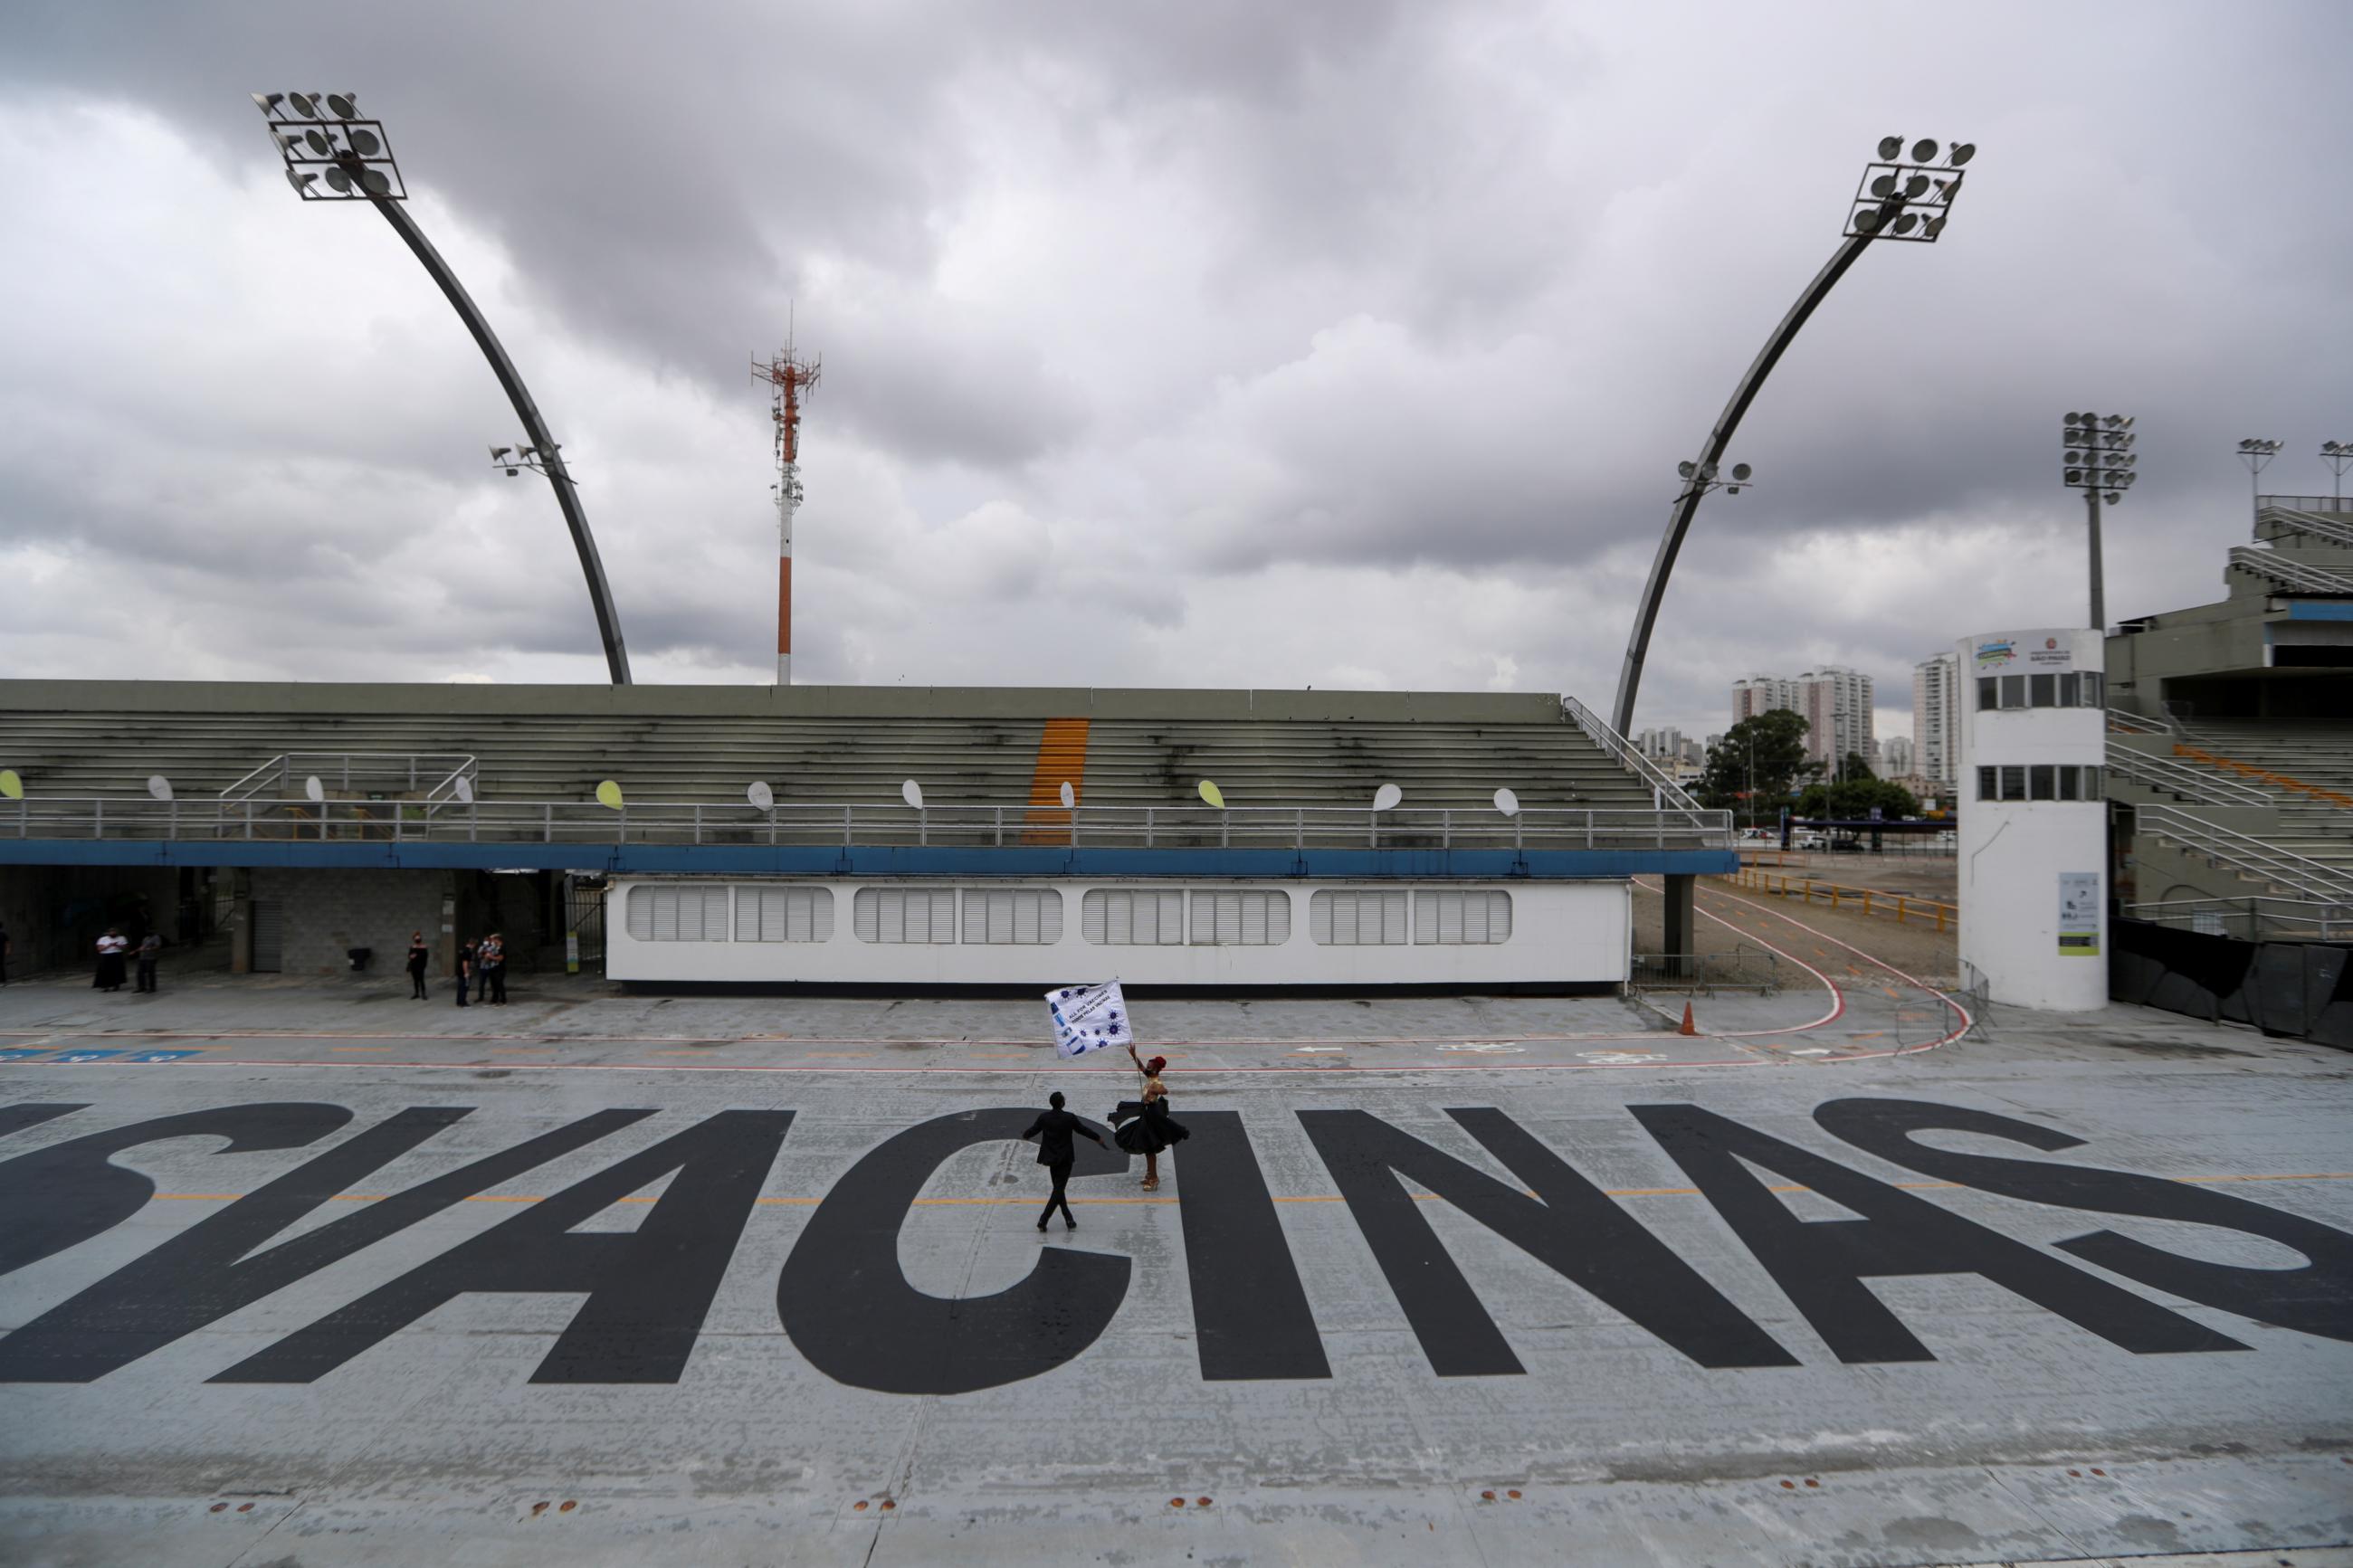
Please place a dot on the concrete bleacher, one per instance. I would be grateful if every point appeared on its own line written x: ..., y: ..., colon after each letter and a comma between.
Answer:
x: 2305, y: 767
x: 831, y: 745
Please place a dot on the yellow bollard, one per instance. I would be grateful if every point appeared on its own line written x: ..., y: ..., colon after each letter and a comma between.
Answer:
x: 1866, y: 903
x: 1899, y: 910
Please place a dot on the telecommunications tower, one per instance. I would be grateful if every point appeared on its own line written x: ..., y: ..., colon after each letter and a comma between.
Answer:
x: 789, y: 379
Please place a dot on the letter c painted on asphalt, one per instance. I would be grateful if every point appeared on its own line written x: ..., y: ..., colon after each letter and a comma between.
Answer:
x: 843, y: 1298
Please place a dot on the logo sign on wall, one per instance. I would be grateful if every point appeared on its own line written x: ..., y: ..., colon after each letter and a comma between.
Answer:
x: 2053, y: 650
x: 2079, y: 914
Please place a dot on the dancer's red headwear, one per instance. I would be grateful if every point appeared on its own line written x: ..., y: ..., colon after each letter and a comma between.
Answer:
x: 1154, y: 1064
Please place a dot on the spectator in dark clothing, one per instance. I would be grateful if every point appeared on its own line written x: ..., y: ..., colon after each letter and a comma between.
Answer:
x: 494, y: 969
x: 465, y: 971
x: 418, y: 956
x: 1053, y: 1130
x: 3, y: 954
x: 151, y: 947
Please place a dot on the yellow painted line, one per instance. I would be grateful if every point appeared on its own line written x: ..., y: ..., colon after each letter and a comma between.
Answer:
x: 1295, y: 1198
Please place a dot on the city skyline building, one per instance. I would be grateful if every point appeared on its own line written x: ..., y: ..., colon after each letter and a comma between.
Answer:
x: 1894, y: 756
x: 1835, y: 703
x: 1761, y: 694
x: 1937, y: 717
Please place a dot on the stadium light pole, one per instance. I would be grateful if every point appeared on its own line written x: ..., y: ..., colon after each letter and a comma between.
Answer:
x: 2339, y: 456
x: 2098, y: 459
x: 2257, y: 454
x: 1897, y: 198
x: 332, y: 154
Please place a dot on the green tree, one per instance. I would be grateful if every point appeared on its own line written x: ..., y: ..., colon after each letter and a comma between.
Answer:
x: 1855, y: 767
x: 1754, y: 767
x: 1851, y: 800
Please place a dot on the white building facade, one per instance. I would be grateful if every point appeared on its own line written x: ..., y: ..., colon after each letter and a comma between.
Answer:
x: 1936, y: 718
x: 2033, y: 822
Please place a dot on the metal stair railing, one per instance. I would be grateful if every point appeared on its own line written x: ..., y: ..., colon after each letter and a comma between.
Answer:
x: 2297, y: 520
x: 2138, y: 724
x: 1664, y: 789
x: 2201, y: 784
x: 2250, y: 856
x: 406, y: 773
x: 2292, y: 574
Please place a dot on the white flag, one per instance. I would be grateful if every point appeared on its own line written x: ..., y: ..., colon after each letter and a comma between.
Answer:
x: 1088, y: 1017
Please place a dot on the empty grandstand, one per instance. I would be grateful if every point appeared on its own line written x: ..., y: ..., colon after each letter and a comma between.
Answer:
x: 2230, y: 748
x: 323, y: 816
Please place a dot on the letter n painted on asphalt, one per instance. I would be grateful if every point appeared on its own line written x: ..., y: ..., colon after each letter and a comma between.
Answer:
x: 1571, y: 1226
x: 848, y: 1306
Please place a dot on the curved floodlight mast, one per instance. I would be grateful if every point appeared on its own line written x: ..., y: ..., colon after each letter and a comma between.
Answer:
x: 332, y: 154
x: 1899, y: 198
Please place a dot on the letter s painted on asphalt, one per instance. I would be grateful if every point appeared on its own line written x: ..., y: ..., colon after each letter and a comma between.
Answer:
x: 2316, y: 1298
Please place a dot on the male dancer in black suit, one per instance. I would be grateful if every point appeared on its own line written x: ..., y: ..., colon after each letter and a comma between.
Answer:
x: 1052, y: 1129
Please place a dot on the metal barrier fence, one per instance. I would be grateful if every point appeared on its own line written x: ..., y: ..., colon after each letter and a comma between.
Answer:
x: 2258, y: 919
x: 1871, y: 902
x: 1742, y: 969
x: 873, y: 822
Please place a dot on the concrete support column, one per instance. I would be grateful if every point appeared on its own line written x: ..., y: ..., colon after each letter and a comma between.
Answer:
x: 240, y: 922
x: 445, y: 941
x: 1680, y: 932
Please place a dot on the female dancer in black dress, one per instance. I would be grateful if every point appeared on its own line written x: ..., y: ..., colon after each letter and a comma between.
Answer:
x: 1147, y: 1127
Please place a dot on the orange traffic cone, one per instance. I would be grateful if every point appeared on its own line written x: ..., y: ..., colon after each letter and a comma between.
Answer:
x: 1687, y: 1028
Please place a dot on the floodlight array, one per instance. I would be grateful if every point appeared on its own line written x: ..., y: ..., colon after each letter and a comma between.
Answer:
x: 332, y: 154
x: 1906, y: 193
x: 1708, y: 476
x: 2098, y: 454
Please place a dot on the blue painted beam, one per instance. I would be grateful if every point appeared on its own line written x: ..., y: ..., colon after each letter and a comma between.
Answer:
x: 870, y: 860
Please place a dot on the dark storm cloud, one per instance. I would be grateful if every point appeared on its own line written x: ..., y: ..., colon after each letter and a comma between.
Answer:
x: 1232, y: 320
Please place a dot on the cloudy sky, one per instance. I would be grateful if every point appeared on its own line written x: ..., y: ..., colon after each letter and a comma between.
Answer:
x: 1333, y: 342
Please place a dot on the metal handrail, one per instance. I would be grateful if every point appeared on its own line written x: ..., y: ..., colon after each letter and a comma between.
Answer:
x: 2247, y: 854
x: 1664, y: 790
x: 2137, y: 723
x: 2290, y: 573
x: 436, y: 773
x: 868, y: 823
x: 2296, y: 520
x: 2201, y: 784
x: 2324, y: 920
x: 2306, y: 503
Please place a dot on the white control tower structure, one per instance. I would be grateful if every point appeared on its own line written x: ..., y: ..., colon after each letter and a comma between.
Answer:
x: 2033, y: 837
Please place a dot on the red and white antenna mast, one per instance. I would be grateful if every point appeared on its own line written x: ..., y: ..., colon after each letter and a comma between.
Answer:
x: 789, y: 379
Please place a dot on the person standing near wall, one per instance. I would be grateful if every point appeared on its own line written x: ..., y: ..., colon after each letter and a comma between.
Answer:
x: 151, y: 949
x: 110, y: 960
x: 418, y: 954
x: 465, y: 970
x: 494, y: 969
x: 4, y: 953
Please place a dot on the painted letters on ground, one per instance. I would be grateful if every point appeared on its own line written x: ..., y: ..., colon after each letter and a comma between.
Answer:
x: 848, y: 1306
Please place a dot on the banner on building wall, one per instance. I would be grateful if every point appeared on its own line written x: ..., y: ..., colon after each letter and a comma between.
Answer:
x: 2079, y: 914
